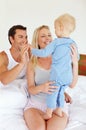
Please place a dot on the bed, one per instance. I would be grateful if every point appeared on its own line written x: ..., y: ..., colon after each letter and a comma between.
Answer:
x: 13, y: 100
x: 77, y: 110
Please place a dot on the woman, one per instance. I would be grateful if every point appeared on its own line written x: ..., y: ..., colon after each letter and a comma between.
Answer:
x: 38, y: 86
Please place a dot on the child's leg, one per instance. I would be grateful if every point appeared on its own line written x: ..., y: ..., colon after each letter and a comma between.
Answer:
x: 58, y: 111
x: 60, y: 101
x: 51, y: 99
x: 60, y: 97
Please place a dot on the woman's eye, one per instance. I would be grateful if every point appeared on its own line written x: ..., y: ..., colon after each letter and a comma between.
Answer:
x: 43, y: 36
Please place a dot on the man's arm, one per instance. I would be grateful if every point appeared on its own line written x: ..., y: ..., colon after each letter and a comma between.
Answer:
x: 6, y: 76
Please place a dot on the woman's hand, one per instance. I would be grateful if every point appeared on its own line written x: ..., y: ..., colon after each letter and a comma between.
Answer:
x: 68, y: 99
x: 48, y: 87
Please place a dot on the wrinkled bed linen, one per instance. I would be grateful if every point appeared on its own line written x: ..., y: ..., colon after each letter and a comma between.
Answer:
x: 77, y: 110
x: 13, y: 99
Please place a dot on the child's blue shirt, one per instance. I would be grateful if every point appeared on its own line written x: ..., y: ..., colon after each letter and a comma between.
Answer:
x: 61, y: 68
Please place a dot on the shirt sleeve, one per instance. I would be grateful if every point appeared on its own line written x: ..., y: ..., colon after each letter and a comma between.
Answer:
x: 48, y: 50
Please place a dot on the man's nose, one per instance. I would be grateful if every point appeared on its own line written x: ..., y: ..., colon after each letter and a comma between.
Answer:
x: 24, y: 41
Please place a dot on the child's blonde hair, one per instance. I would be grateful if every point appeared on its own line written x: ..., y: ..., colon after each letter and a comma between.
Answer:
x: 68, y: 21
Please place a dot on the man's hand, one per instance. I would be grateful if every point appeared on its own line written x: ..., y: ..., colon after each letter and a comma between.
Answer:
x: 24, y: 53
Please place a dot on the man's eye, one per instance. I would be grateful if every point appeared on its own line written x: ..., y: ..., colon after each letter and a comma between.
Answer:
x: 20, y: 36
x: 49, y: 35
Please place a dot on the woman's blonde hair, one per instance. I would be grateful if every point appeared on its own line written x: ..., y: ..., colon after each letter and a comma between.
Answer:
x: 35, y: 41
x: 68, y: 21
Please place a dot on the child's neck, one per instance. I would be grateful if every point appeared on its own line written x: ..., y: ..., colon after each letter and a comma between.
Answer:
x: 65, y: 35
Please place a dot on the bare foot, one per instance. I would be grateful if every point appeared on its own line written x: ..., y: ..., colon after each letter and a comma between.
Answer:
x: 47, y: 116
x: 59, y: 112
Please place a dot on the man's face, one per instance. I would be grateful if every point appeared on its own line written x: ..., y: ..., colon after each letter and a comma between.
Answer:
x: 20, y: 39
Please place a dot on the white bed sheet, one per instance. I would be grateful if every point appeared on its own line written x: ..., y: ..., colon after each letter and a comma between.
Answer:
x: 76, y: 126
x: 16, y: 97
x: 13, y: 99
x: 77, y: 110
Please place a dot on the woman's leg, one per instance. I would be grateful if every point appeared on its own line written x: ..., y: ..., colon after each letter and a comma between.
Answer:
x: 34, y: 119
x: 57, y: 123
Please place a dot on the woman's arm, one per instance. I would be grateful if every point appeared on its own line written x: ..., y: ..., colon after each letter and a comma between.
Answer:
x: 74, y: 56
x: 45, y: 88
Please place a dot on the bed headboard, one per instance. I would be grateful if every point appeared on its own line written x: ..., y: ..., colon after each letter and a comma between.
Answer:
x: 82, y: 65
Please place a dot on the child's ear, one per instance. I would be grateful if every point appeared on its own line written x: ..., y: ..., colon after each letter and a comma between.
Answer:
x: 61, y: 27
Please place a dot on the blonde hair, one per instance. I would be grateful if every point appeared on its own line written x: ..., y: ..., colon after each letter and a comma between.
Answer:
x: 35, y: 41
x: 68, y: 21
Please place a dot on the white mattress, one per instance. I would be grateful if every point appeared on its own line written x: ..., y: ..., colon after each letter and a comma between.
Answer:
x: 13, y: 100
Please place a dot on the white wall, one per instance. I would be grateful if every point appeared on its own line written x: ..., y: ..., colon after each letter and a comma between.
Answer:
x: 33, y: 13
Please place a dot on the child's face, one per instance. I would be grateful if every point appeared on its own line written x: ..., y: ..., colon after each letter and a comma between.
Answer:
x: 58, y: 30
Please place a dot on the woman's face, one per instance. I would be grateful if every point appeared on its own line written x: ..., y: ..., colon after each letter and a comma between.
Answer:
x: 44, y: 37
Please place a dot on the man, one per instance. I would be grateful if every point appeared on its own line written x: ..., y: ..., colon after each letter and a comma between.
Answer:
x: 14, y: 60
x: 13, y: 85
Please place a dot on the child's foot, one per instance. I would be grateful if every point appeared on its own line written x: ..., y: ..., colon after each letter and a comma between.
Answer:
x: 47, y: 116
x: 58, y: 112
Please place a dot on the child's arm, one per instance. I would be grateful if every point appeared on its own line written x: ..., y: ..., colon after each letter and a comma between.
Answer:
x: 48, y: 50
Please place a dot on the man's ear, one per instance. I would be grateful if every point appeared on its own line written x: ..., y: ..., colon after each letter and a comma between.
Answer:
x: 11, y: 39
